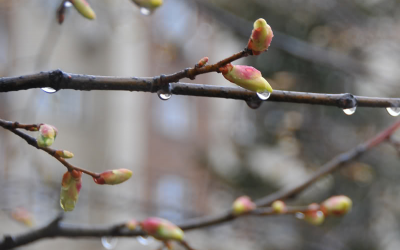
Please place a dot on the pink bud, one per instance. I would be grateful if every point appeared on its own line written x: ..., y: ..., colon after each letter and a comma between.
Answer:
x: 161, y: 229
x: 242, y: 205
x: 84, y: 8
x: 70, y: 187
x: 337, y: 205
x: 47, y: 135
x: 132, y: 224
x: 113, y: 177
x: 203, y: 61
x: 279, y: 207
x: 246, y: 77
x: 22, y: 215
x: 261, y: 37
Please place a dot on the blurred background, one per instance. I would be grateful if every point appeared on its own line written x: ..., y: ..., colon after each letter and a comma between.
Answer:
x: 193, y: 156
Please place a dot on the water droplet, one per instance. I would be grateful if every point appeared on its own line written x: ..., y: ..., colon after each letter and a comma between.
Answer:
x: 109, y: 242
x: 49, y: 90
x: 350, y: 111
x: 254, y: 104
x: 145, y: 11
x: 264, y: 95
x: 67, y: 4
x: 164, y: 96
x: 393, y: 111
x: 145, y: 240
x: 299, y: 215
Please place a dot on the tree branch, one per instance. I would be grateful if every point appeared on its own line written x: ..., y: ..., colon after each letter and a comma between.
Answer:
x: 12, y: 126
x: 77, y: 231
x: 58, y: 79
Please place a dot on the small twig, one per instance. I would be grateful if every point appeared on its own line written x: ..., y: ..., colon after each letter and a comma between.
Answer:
x: 61, y: 12
x: 288, y: 210
x: 12, y: 126
x: 76, y: 231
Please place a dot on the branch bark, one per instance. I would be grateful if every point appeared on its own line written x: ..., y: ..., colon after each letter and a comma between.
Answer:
x: 58, y: 80
x: 58, y: 229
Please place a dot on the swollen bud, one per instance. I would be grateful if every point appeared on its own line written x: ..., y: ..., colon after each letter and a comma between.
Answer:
x: 84, y: 8
x: 64, y: 154
x: 22, y: 215
x: 148, y: 4
x: 113, y: 177
x: 47, y: 135
x: 242, y: 205
x: 261, y: 37
x: 279, y: 207
x: 70, y: 186
x: 337, y: 205
x: 203, y: 61
x: 161, y: 229
x: 246, y: 77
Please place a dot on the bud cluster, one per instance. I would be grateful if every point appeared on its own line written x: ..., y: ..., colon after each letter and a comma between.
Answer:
x: 47, y: 135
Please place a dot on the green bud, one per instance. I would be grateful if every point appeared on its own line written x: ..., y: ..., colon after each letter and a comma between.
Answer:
x: 70, y: 187
x: 84, y: 8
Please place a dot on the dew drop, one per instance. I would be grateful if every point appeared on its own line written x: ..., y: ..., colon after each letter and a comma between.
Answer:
x: 145, y: 11
x: 164, y: 96
x: 49, y: 90
x: 350, y: 111
x: 145, y: 240
x: 264, y: 95
x: 254, y: 104
x: 299, y: 215
x: 109, y: 242
x: 393, y: 111
x: 67, y: 4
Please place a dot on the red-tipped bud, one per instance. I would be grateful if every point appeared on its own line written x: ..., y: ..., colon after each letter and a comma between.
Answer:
x: 242, y: 205
x: 64, y: 154
x: 84, y: 8
x: 203, y: 61
x: 246, y: 77
x: 279, y: 207
x: 113, y: 177
x: 47, y: 135
x: 337, y: 205
x: 70, y: 187
x: 315, y: 217
x: 261, y: 37
x: 132, y: 224
x: 161, y: 229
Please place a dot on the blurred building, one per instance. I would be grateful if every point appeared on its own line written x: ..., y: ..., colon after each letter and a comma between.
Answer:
x: 193, y: 156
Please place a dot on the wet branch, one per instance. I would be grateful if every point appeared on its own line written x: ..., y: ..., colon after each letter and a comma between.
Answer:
x: 58, y: 229
x: 58, y: 80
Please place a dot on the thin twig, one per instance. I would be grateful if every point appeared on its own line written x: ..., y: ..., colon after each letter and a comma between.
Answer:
x: 78, y: 231
x: 12, y: 126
